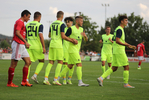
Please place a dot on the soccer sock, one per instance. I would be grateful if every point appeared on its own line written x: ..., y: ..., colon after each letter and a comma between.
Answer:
x: 139, y: 64
x: 64, y: 68
x: 47, y: 71
x: 28, y: 72
x: 57, y: 71
x: 79, y: 72
x: 126, y: 76
x: 106, y: 73
x: 10, y: 75
x: 38, y: 68
x: 64, y: 71
x: 70, y: 73
x: 25, y: 73
x: 103, y: 68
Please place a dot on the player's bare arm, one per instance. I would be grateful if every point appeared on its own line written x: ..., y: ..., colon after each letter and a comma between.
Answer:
x: 42, y: 42
x: 110, y: 40
x: 74, y: 41
x: 100, y: 41
x: 20, y: 37
x: 84, y: 36
x: 49, y: 35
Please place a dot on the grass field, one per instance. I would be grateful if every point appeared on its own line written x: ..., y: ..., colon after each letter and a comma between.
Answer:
x: 112, y: 90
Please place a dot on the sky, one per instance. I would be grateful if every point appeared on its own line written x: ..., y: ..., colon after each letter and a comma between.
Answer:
x: 10, y: 11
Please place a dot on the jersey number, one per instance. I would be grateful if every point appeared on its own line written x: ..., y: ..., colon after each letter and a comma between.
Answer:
x: 138, y: 48
x: 55, y: 28
x: 31, y: 30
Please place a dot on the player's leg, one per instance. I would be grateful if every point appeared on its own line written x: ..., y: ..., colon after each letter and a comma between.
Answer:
x: 103, y: 59
x: 140, y: 61
x: 47, y: 72
x: 70, y: 75
x: 126, y: 77
x: 79, y: 75
x: 109, y: 60
x: 25, y: 71
x: 11, y: 73
x: 64, y: 77
x: 38, y: 69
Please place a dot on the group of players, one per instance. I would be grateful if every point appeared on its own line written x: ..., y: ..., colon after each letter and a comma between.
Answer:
x: 67, y: 53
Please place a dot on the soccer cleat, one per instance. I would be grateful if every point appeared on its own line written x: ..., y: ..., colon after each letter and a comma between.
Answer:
x: 139, y: 68
x: 69, y: 82
x: 56, y: 83
x: 26, y: 84
x: 108, y: 77
x: 46, y: 82
x: 34, y: 79
x: 12, y: 85
x: 64, y: 82
x: 83, y: 84
x: 100, y: 81
x: 128, y: 86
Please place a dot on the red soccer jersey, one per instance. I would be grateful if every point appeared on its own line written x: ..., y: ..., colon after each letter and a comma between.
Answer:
x: 140, y: 49
x: 19, y: 25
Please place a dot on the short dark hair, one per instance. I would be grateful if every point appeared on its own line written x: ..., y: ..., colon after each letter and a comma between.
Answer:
x: 122, y: 17
x: 108, y: 27
x: 69, y: 19
x: 78, y: 17
x: 37, y: 14
x: 25, y: 12
x: 59, y: 14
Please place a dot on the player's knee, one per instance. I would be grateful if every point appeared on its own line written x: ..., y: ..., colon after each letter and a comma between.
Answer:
x: 28, y: 63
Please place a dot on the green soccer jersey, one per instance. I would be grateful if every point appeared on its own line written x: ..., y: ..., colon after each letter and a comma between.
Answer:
x: 65, y: 43
x: 56, y: 39
x: 107, y: 44
x: 75, y: 34
x: 32, y: 35
x: 117, y: 48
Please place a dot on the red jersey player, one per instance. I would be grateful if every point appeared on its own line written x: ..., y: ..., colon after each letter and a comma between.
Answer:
x: 19, y: 51
x: 140, y: 52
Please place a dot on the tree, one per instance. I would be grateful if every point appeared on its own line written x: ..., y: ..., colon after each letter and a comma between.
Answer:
x: 136, y: 30
x: 4, y: 44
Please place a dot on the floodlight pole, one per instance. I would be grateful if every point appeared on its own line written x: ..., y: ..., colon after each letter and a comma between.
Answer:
x: 105, y: 5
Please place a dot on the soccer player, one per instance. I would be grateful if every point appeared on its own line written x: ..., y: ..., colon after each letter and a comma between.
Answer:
x: 76, y: 32
x: 119, y: 55
x: 19, y: 51
x: 69, y: 22
x: 106, y: 51
x: 34, y: 35
x: 56, y: 33
x: 140, y: 51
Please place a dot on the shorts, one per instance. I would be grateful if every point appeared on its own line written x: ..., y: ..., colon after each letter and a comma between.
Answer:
x: 120, y: 60
x: 74, y: 58
x: 35, y: 54
x: 66, y: 57
x: 106, y: 57
x: 18, y: 51
x: 140, y: 57
x: 55, y: 54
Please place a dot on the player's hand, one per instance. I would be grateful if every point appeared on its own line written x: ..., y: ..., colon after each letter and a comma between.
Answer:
x: 83, y: 34
x: 100, y: 41
x: 27, y: 45
x: 132, y: 47
x: 75, y: 41
x: 44, y: 50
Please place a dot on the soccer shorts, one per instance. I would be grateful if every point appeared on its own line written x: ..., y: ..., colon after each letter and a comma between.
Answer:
x: 35, y: 54
x: 55, y: 54
x: 74, y: 58
x: 140, y: 57
x: 106, y: 57
x: 18, y: 51
x: 66, y: 57
x: 120, y: 60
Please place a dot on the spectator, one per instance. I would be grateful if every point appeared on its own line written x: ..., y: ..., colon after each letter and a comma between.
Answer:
x: 87, y: 52
x: 1, y: 50
x: 5, y: 50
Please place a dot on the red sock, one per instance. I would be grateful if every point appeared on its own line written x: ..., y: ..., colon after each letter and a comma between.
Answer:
x: 10, y: 75
x: 139, y: 63
x: 25, y: 73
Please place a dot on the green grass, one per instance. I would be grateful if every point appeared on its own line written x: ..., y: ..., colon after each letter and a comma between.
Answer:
x: 112, y: 89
